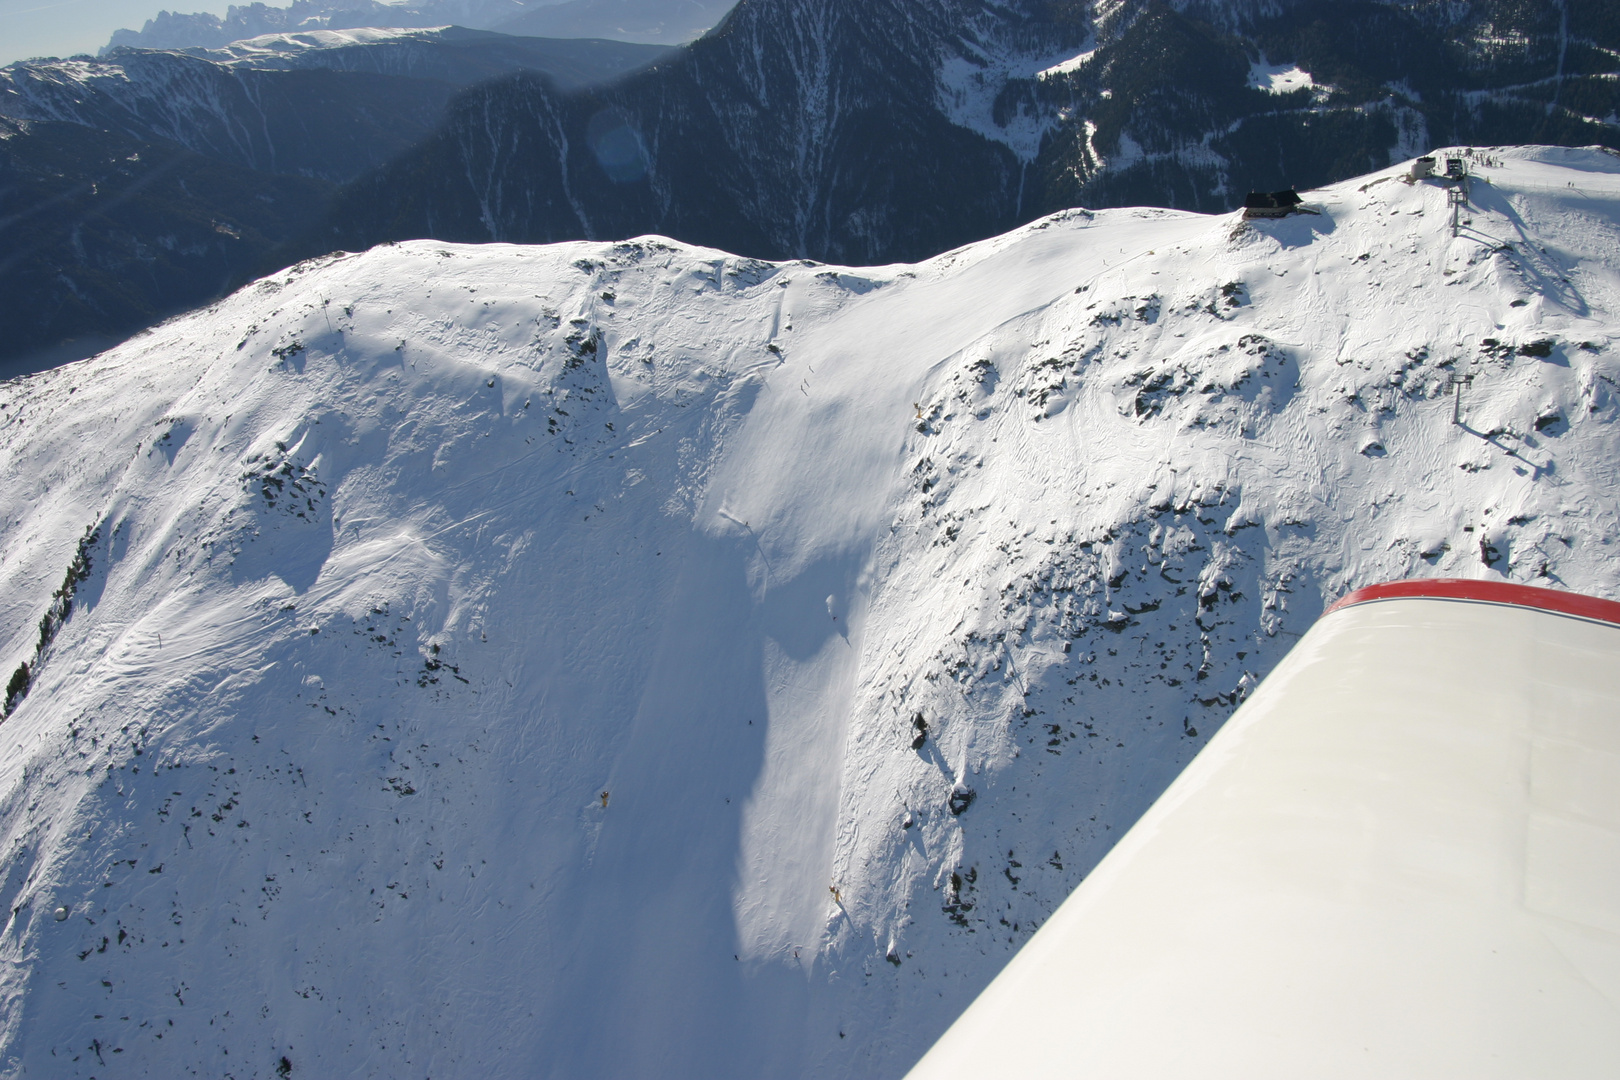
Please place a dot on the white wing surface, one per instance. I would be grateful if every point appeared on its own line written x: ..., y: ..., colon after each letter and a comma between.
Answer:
x: 1400, y: 858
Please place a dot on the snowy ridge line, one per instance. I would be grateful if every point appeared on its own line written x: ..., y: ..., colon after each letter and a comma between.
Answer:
x: 298, y: 41
x: 760, y: 650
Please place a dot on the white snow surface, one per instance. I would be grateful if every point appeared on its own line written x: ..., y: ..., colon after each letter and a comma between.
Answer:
x: 970, y: 82
x: 968, y: 89
x: 505, y: 661
x: 1072, y: 64
x: 1278, y: 78
x: 255, y: 51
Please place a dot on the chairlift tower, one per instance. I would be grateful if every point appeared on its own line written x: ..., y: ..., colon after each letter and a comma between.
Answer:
x: 1457, y: 192
x: 1455, y: 383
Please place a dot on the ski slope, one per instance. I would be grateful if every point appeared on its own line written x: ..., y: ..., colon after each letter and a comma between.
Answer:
x: 625, y: 659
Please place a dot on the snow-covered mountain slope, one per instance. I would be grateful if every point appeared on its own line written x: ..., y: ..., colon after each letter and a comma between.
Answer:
x: 274, y: 47
x: 628, y: 659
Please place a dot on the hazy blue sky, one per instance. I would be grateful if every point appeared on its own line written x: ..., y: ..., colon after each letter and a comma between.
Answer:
x: 64, y: 27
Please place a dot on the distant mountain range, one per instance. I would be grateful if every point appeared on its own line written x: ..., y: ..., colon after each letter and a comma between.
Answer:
x: 665, y: 22
x: 856, y: 131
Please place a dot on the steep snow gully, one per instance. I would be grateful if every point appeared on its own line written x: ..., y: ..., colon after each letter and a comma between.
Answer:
x: 606, y: 660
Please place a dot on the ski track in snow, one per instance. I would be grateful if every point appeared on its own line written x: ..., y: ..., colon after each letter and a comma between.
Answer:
x: 629, y: 660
